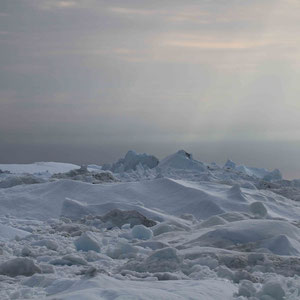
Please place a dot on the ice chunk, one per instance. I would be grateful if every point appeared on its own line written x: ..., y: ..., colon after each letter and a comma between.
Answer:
x: 69, y: 260
x: 182, y: 160
x: 282, y: 245
x: 154, y: 245
x: 83, y: 174
x: 164, y: 255
x: 38, y: 280
x: 230, y: 165
x: 273, y: 176
x: 258, y: 209
x: 87, y: 241
x: 50, y: 244
x: 273, y: 289
x: 117, y: 218
x: 141, y: 232
x: 19, y: 266
x: 9, y: 233
x: 224, y: 272
x: 246, y: 289
x: 164, y: 260
x: 74, y: 209
x: 202, y: 272
x: 122, y: 250
x: 132, y: 160
x: 166, y: 276
x: 162, y: 228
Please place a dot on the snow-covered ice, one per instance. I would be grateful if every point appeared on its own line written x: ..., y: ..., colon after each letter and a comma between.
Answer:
x: 174, y: 229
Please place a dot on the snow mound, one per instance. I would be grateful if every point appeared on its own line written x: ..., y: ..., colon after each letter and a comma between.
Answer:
x: 254, y: 233
x: 236, y: 193
x: 213, y: 221
x: 181, y: 160
x: 105, y: 287
x: 131, y: 161
x: 258, y: 209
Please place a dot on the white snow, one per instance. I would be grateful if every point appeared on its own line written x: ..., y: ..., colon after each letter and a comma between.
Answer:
x: 180, y: 230
x: 38, y: 168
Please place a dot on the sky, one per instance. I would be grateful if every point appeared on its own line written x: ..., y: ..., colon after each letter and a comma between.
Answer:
x: 84, y: 81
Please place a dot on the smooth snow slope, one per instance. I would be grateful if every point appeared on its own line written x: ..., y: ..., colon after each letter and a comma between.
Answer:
x: 43, y: 201
x: 108, y: 288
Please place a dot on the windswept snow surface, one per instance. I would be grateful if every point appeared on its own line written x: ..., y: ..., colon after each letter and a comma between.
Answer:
x: 181, y: 230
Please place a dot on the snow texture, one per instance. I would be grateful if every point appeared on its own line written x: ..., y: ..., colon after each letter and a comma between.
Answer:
x: 174, y: 229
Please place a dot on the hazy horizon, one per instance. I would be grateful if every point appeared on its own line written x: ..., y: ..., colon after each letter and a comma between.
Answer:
x: 84, y: 81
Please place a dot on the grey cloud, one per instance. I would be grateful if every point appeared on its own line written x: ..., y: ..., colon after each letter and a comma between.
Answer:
x: 86, y: 75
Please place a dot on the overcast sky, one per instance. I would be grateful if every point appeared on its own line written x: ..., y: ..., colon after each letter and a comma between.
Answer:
x: 85, y: 80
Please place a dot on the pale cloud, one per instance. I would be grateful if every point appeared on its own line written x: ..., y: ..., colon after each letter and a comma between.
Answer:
x: 133, y: 11
x: 56, y: 4
x: 216, y: 45
x: 155, y: 72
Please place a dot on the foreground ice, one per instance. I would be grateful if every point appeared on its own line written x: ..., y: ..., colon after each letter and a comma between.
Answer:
x: 180, y: 230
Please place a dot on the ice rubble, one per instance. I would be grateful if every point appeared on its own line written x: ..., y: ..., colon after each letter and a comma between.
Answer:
x: 254, y: 172
x: 83, y: 174
x: 13, y: 180
x: 131, y: 161
x: 119, y: 218
x: 8, y: 232
x: 19, y: 266
x: 38, y: 168
x: 190, y: 231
